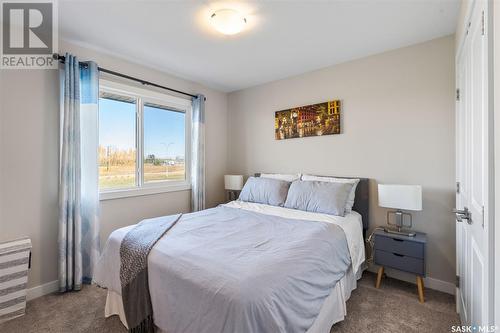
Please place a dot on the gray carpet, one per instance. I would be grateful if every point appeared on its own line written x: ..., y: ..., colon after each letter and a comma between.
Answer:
x: 392, y: 308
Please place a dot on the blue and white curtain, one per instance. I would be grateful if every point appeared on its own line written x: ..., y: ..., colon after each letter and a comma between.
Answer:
x: 78, y: 181
x: 198, y: 154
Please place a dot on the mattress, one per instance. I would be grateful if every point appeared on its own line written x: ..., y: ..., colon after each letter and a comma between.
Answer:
x: 244, y: 268
x: 333, y: 309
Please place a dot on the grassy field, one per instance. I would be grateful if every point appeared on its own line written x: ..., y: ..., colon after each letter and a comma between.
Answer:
x: 123, y: 176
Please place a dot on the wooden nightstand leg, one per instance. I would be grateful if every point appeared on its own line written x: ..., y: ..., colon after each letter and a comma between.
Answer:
x: 420, y: 286
x: 379, y: 277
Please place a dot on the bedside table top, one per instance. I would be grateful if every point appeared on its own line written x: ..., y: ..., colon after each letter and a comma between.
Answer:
x: 420, y: 237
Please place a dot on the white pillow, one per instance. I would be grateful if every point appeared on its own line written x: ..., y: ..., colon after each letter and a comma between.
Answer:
x: 352, y: 194
x: 282, y: 176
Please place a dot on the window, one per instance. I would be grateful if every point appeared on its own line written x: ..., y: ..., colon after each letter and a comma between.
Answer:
x: 117, y: 141
x: 164, y: 146
x: 143, y: 141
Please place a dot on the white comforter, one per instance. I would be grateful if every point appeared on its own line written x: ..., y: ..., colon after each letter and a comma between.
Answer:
x: 351, y: 224
x: 200, y: 268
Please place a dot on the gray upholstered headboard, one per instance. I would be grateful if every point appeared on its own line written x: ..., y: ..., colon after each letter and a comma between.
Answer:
x: 361, y: 201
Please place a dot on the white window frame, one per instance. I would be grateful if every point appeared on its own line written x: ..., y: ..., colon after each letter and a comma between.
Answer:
x: 143, y: 96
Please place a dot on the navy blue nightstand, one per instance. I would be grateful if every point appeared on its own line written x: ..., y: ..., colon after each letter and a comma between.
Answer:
x: 402, y: 253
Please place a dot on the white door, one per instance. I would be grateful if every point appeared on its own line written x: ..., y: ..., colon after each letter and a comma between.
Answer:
x: 472, y: 172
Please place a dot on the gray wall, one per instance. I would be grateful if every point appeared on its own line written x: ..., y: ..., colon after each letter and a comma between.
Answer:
x: 29, y: 120
x: 496, y: 102
x: 398, y: 127
x: 29, y: 165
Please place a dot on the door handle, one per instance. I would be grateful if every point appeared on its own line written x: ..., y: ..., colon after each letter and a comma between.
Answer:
x: 463, y: 215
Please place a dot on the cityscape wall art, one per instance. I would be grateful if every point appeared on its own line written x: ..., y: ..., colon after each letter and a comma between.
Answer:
x: 309, y: 120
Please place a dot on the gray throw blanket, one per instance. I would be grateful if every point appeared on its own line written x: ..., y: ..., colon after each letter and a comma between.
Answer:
x: 134, y: 251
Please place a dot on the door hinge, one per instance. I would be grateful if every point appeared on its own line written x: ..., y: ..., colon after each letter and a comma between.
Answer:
x: 458, y: 187
x: 457, y: 281
x: 458, y: 94
x: 483, y: 217
x: 482, y: 23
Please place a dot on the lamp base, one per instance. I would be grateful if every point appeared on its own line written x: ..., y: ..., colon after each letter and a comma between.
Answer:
x: 232, y: 195
x: 401, y: 232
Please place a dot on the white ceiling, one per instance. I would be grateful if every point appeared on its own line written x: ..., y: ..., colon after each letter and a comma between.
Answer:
x: 283, y: 38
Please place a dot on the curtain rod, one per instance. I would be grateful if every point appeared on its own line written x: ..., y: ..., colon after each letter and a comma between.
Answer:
x: 62, y: 59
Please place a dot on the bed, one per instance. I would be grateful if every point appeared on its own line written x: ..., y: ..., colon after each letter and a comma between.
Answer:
x: 248, y: 267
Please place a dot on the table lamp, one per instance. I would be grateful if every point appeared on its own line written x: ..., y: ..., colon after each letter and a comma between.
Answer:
x: 400, y: 197
x: 233, y: 185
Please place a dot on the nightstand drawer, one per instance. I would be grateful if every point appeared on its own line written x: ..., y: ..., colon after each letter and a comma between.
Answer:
x: 399, y: 261
x: 400, y: 246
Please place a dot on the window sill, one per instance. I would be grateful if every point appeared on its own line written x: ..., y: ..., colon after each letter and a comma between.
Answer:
x: 147, y: 190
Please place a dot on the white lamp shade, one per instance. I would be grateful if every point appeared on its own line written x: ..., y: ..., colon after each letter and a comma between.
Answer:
x: 233, y: 182
x: 407, y: 197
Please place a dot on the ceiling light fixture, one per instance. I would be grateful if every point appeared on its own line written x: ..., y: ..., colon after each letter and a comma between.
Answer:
x: 228, y: 21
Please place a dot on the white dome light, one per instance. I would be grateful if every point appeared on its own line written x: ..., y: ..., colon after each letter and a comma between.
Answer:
x: 228, y: 21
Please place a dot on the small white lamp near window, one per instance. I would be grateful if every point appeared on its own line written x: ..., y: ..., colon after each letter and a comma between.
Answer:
x: 233, y: 185
x: 400, y: 197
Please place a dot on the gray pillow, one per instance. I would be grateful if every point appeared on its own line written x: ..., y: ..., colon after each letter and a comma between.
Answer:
x: 265, y: 191
x: 318, y: 197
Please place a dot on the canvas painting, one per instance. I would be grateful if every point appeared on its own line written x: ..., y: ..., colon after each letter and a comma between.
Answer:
x: 309, y: 120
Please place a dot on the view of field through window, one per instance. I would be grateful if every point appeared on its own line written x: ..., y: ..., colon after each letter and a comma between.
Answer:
x: 117, y: 148
x: 164, y: 143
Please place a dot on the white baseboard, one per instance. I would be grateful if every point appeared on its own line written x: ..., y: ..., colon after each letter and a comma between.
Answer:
x: 440, y: 285
x: 431, y: 283
x: 41, y: 290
